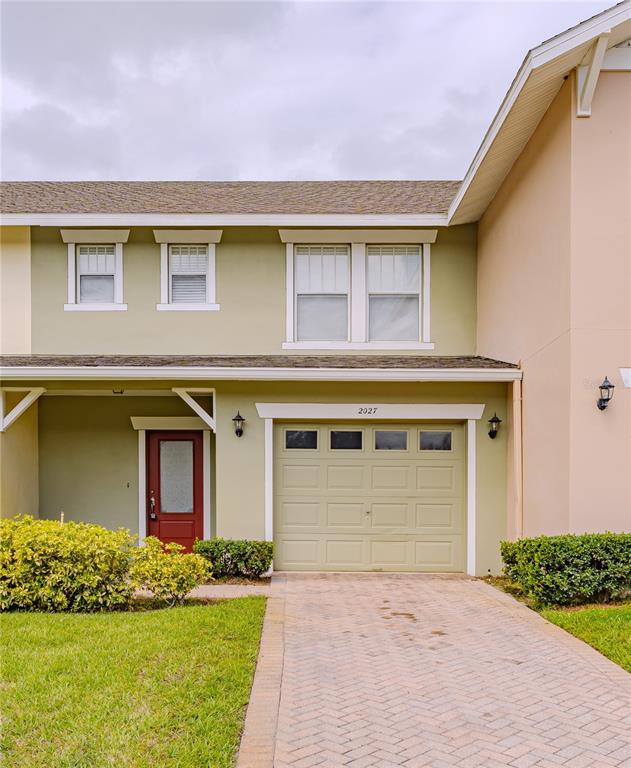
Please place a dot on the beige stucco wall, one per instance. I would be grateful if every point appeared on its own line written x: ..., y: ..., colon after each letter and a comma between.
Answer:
x: 554, y: 293
x: 524, y: 307
x: 250, y: 276
x: 15, y: 290
x: 88, y: 451
x: 600, y: 443
x: 19, y: 491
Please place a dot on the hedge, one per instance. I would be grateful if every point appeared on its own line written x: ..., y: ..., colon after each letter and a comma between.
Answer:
x: 570, y: 569
x: 236, y: 557
x: 49, y: 566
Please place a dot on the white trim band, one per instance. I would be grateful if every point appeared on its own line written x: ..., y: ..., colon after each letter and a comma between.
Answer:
x: 45, y: 373
x: 94, y: 235
x: 187, y: 236
x: 376, y: 236
x: 368, y: 411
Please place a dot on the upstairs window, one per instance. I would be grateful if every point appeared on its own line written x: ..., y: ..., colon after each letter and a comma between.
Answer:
x: 96, y: 274
x: 188, y: 274
x: 394, y: 285
x: 322, y: 292
x: 95, y: 269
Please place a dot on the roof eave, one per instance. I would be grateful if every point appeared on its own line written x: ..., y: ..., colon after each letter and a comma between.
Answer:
x: 195, y: 373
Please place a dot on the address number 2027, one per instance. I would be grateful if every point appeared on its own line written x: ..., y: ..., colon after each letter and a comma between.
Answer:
x: 367, y: 411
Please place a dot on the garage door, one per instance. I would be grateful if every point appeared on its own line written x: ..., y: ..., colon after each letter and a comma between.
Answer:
x: 369, y: 497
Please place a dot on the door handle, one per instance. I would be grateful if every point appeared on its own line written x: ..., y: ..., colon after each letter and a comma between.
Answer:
x: 152, y: 507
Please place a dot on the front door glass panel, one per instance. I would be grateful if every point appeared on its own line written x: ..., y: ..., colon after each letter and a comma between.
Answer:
x: 176, y: 476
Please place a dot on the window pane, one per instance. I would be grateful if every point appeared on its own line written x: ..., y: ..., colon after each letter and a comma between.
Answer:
x: 393, y: 318
x: 301, y: 438
x: 393, y: 269
x: 322, y: 318
x: 96, y: 289
x: 435, y: 441
x: 321, y: 269
x: 176, y: 475
x: 188, y: 289
x: 189, y: 259
x: 346, y: 440
x: 391, y: 441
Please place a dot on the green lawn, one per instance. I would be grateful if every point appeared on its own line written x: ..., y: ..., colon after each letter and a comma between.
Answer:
x: 156, y: 688
x: 608, y: 629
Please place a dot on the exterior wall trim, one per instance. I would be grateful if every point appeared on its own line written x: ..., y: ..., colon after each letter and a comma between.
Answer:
x: 326, y: 411
x: 32, y: 394
x: 201, y: 236
x: 225, y: 219
x: 626, y: 376
x: 376, y: 236
x: 369, y: 411
x: 94, y: 235
x: 162, y: 423
x: 85, y: 373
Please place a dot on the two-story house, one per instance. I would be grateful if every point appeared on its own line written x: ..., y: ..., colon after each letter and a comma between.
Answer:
x: 321, y: 363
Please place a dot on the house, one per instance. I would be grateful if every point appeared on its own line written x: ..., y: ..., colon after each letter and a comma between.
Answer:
x: 320, y: 363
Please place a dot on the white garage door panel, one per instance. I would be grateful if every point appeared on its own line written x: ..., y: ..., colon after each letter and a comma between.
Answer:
x: 369, y: 509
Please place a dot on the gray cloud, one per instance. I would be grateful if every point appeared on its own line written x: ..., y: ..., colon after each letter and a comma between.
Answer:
x: 192, y: 90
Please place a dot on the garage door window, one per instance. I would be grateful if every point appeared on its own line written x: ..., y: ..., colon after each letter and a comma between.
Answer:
x: 301, y: 439
x: 346, y: 440
x: 391, y: 440
x: 435, y: 441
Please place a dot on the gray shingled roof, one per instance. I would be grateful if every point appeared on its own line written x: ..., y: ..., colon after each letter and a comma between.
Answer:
x: 229, y: 197
x: 253, y: 361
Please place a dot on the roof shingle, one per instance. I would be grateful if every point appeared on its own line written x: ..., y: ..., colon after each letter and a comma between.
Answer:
x: 254, y: 361
x: 228, y: 197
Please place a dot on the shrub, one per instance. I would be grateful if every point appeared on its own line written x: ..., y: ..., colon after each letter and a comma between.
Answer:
x: 237, y: 557
x: 169, y: 574
x: 569, y: 569
x: 49, y: 566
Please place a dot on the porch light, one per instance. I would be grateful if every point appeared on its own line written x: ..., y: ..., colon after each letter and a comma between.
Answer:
x: 494, y: 425
x: 238, y: 421
x: 606, y: 393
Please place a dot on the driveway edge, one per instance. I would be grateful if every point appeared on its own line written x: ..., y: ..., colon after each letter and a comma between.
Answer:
x: 261, y: 719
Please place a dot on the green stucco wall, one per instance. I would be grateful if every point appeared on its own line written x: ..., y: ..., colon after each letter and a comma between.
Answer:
x: 89, y: 451
x: 250, y: 274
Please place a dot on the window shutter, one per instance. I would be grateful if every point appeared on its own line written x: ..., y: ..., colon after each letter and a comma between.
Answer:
x: 188, y: 267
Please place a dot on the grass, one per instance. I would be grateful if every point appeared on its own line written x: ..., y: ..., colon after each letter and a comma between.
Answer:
x: 605, y: 628
x: 128, y: 690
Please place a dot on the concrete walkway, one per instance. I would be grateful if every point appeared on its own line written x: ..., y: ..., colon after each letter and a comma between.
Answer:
x: 414, y: 670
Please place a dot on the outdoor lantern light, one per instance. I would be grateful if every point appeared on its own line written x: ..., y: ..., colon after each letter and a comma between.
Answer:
x: 494, y: 424
x: 238, y: 424
x: 606, y: 393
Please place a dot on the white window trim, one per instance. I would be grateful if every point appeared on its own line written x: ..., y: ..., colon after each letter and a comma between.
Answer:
x: 469, y: 413
x: 73, y: 304
x: 165, y: 305
x: 358, y: 311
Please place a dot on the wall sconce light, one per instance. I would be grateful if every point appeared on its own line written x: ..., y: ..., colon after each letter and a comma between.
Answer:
x: 238, y: 422
x: 606, y: 393
x: 494, y: 425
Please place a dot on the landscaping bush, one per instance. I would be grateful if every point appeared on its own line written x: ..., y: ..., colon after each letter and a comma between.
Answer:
x: 49, y: 566
x: 237, y: 557
x: 569, y: 569
x: 169, y: 574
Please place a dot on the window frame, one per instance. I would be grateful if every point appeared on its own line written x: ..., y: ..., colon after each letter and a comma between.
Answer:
x: 74, y: 303
x: 346, y: 294
x: 358, y: 301
x: 166, y: 304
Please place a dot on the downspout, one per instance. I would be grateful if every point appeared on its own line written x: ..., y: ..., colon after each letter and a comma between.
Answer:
x: 518, y: 460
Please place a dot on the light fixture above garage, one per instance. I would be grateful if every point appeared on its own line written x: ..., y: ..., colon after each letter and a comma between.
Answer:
x: 238, y: 422
x: 494, y: 425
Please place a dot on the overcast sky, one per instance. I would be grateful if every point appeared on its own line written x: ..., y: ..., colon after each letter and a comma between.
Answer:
x: 306, y: 90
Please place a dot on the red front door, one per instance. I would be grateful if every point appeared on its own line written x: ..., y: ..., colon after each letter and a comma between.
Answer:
x: 175, y: 487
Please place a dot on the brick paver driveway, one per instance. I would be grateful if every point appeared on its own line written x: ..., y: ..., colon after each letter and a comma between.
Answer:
x: 416, y: 670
